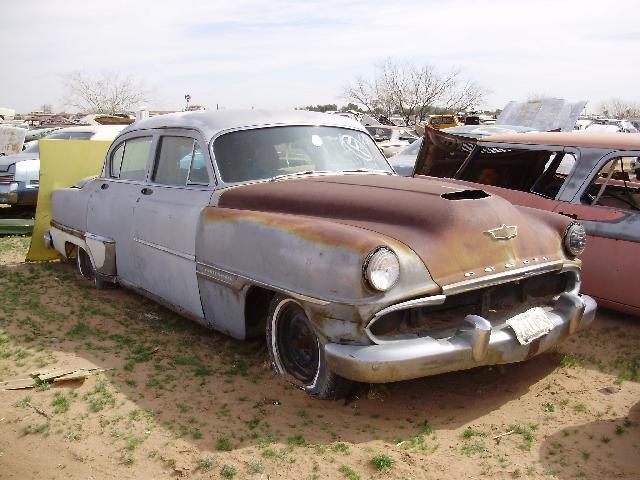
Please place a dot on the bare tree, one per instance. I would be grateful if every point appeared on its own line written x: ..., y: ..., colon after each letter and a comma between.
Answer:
x: 107, y: 93
x: 619, y: 108
x: 412, y: 90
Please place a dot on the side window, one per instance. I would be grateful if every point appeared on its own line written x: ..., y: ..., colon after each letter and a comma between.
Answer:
x: 555, y: 173
x: 129, y: 160
x: 616, y: 185
x: 198, y: 172
x: 179, y: 161
x: 116, y: 161
x: 536, y: 171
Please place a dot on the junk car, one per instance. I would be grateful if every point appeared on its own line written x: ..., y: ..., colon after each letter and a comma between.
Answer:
x: 294, y: 226
x: 590, y: 177
x: 391, y: 140
x: 20, y: 172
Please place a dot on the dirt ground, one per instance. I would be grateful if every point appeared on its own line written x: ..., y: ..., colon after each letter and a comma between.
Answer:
x: 176, y: 400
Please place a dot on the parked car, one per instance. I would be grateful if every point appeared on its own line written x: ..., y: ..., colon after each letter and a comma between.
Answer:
x: 391, y: 140
x: 590, y: 177
x: 404, y: 161
x: 293, y: 225
x: 443, y: 121
x: 20, y: 173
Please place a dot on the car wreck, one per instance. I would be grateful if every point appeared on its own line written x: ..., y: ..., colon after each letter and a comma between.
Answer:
x: 293, y: 226
x: 590, y: 177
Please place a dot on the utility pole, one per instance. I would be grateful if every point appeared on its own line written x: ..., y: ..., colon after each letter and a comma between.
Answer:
x: 187, y: 97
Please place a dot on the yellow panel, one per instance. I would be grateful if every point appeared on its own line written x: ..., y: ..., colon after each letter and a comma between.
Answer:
x: 62, y: 164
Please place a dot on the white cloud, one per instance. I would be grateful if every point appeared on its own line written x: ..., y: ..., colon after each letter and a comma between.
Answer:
x: 287, y: 53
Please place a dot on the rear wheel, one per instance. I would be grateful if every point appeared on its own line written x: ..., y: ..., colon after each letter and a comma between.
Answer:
x: 85, y: 267
x: 296, y: 351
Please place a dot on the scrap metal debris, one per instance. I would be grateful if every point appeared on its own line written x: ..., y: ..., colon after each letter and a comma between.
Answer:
x: 50, y: 375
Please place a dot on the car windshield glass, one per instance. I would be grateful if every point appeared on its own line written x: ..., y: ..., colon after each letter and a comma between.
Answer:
x: 270, y: 152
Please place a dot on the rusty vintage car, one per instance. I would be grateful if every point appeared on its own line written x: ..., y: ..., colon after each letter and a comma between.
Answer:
x: 293, y: 224
x: 591, y: 177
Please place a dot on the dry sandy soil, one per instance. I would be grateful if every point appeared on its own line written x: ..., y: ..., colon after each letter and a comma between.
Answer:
x: 178, y: 400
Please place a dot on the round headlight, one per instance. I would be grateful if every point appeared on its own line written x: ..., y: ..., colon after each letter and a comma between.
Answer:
x: 575, y: 240
x: 382, y: 269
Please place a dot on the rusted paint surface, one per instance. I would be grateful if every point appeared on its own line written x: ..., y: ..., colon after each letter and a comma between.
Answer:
x: 448, y: 235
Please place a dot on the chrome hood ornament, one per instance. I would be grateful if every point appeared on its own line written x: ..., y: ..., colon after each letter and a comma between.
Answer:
x: 503, y: 232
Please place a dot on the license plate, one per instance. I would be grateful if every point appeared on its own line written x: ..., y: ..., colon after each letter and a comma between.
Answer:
x: 530, y: 325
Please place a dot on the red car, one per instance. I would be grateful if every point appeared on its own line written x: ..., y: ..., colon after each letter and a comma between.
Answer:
x: 592, y: 177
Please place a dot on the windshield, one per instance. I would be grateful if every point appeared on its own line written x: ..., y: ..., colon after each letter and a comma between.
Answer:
x: 270, y: 152
x: 442, y: 120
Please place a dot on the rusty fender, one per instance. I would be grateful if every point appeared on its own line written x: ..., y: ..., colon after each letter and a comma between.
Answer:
x: 318, y: 261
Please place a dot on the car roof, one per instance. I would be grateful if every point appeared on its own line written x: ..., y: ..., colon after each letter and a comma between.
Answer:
x: 605, y: 140
x: 212, y: 122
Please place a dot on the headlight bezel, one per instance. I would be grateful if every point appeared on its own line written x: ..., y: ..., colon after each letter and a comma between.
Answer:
x: 575, y: 232
x: 369, y: 264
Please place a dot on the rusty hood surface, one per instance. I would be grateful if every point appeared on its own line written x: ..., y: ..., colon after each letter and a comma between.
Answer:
x: 446, y: 225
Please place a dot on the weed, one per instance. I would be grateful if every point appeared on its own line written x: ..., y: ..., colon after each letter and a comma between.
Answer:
x: 205, y: 463
x: 349, y: 472
x: 549, y: 407
x: 469, y: 432
x: 256, y: 467
x: 619, y: 430
x: 127, y: 460
x: 24, y: 403
x: 60, y: 403
x: 382, y: 462
x: 580, y: 407
x: 269, y: 453
x: 223, y: 444
x: 296, y: 441
x: 196, y: 435
x: 340, y: 448
x: 473, y: 448
x: 605, y: 439
x: 586, y: 455
x: 228, y: 471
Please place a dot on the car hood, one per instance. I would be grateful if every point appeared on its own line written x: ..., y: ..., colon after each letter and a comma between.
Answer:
x: 7, y: 160
x: 445, y: 224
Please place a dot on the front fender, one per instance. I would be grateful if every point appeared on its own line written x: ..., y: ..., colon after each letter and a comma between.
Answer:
x: 304, y: 256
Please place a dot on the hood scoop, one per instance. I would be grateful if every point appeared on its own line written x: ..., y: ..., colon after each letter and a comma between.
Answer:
x: 465, y: 195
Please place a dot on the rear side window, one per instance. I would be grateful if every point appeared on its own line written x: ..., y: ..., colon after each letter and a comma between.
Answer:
x: 180, y: 161
x: 616, y: 185
x: 129, y: 159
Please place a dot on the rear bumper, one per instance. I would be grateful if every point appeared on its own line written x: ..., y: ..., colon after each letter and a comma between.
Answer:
x: 18, y: 193
x: 475, y: 343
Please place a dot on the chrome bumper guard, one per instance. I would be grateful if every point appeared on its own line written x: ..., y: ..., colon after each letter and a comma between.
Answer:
x: 474, y: 344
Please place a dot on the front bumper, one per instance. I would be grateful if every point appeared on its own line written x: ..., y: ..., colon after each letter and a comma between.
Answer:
x: 475, y: 343
x: 18, y: 193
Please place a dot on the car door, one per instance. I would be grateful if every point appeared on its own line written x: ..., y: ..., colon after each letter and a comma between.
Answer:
x: 111, y: 206
x: 166, y: 217
x: 608, y: 205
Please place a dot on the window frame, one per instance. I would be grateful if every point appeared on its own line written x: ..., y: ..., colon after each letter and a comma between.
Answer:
x: 204, y: 147
x: 155, y: 134
x: 597, y: 167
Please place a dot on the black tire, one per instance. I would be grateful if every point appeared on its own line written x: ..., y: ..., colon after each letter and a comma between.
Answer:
x: 296, y: 351
x: 85, y: 267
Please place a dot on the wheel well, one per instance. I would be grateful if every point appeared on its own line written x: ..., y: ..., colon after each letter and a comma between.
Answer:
x: 70, y: 249
x: 256, y: 308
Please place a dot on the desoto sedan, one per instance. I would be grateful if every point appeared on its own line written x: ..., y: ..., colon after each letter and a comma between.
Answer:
x: 293, y: 225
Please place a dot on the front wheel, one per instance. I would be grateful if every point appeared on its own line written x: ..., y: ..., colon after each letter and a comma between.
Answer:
x: 296, y: 351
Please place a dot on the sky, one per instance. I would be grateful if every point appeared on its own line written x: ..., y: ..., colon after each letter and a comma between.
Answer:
x: 285, y: 54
